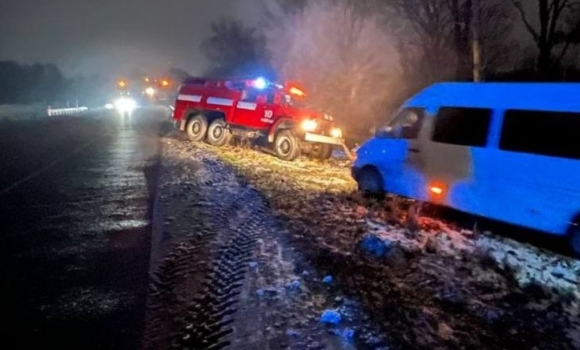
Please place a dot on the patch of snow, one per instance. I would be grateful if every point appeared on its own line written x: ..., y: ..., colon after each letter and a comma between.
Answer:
x: 292, y: 333
x: 530, y: 264
x: 375, y: 245
x: 294, y: 284
x: 331, y: 317
x: 327, y: 279
x: 348, y: 334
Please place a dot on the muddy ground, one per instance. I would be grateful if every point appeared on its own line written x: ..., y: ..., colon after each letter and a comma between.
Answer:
x: 250, y: 251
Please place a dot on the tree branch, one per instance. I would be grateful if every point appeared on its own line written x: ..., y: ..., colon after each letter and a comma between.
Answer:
x: 529, y: 27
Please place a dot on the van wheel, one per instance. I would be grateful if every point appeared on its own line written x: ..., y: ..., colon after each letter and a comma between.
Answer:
x: 196, y: 128
x: 218, y: 133
x: 321, y: 151
x: 370, y: 181
x: 286, y: 145
x: 574, y: 240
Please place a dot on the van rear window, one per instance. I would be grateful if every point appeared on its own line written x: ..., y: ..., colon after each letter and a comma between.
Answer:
x: 554, y: 134
x: 462, y: 126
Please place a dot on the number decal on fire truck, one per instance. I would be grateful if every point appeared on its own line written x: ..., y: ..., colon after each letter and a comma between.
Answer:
x: 268, y: 114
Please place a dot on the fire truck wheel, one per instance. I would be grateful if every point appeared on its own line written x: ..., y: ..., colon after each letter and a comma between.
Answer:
x: 321, y: 151
x: 287, y: 146
x: 196, y: 128
x: 218, y: 134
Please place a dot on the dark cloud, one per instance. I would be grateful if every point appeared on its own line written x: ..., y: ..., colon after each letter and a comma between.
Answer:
x: 115, y: 36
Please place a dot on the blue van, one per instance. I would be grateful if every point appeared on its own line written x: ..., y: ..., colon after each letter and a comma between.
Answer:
x: 505, y: 151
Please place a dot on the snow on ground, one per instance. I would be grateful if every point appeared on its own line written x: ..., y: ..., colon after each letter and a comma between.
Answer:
x: 21, y: 112
x: 532, y: 265
x: 437, y: 287
x: 220, y: 257
x: 529, y: 263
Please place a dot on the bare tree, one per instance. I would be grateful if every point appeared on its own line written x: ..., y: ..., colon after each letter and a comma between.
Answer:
x: 425, y: 37
x: 343, y: 55
x: 494, y: 21
x: 554, y: 28
x: 234, y: 49
x: 438, y: 35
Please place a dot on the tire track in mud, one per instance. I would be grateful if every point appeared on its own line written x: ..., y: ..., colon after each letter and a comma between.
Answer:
x: 226, y: 275
x: 201, y: 277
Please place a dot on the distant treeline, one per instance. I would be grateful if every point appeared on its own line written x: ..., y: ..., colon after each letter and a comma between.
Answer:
x: 28, y: 84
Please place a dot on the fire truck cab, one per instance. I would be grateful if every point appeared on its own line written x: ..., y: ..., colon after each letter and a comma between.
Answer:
x: 269, y: 114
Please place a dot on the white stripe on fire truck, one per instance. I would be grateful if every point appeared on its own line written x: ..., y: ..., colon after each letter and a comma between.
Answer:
x: 190, y: 98
x: 247, y: 105
x: 220, y: 101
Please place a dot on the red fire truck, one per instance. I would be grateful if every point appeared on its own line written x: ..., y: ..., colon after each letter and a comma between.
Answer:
x: 269, y: 114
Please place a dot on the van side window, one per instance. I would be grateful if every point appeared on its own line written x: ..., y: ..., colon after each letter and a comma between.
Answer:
x: 407, y: 123
x: 547, y: 133
x: 462, y: 126
x: 249, y: 95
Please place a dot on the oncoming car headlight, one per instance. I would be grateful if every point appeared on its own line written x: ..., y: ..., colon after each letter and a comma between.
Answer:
x: 309, y: 125
x: 125, y: 104
x: 336, y: 133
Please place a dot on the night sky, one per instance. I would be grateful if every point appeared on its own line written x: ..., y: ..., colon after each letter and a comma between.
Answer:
x: 114, y: 36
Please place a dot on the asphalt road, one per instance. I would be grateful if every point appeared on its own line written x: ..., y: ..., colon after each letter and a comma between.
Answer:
x: 75, y: 233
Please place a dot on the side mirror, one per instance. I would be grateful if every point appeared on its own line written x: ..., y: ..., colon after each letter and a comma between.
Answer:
x: 385, y: 131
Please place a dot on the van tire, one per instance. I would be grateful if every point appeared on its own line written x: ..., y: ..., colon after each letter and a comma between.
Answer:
x: 287, y: 146
x: 196, y: 128
x: 574, y: 240
x: 321, y: 151
x: 218, y: 134
x: 370, y: 181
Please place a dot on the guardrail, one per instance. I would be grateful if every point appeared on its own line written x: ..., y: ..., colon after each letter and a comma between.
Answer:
x: 65, y: 111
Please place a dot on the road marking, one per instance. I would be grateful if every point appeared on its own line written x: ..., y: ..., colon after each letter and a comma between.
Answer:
x: 43, y: 169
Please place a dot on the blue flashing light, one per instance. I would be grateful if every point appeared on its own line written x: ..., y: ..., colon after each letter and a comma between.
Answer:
x: 260, y: 83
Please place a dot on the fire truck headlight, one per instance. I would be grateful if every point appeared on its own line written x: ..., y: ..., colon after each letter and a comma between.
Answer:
x: 125, y: 104
x: 150, y: 91
x: 336, y: 133
x: 309, y: 125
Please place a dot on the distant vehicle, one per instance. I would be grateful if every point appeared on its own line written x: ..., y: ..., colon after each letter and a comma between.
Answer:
x: 509, y: 152
x: 266, y: 113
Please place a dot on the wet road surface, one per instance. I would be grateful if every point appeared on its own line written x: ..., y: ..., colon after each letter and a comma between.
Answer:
x: 75, y: 208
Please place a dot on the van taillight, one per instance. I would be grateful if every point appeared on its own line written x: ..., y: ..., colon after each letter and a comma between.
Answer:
x: 436, y: 190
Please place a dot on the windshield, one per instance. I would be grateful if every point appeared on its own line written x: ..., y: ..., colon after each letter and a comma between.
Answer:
x: 292, y: 101
x: 406, y: 124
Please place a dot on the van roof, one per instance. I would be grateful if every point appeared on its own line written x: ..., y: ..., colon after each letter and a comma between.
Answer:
x: 527, y: 96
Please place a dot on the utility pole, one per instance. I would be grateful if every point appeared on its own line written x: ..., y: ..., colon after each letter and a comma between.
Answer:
x: 476, y: 43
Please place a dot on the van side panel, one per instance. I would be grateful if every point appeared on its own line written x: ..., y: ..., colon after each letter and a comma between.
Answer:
x: 535, y: 191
